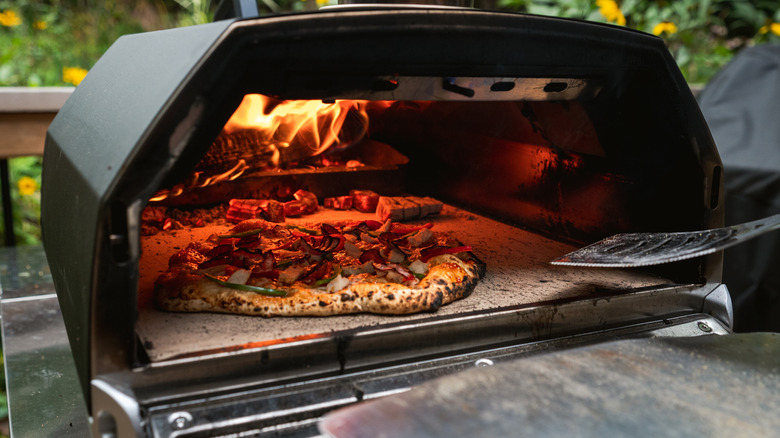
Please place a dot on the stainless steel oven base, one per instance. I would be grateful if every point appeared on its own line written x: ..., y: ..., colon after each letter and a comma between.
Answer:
x: 222, y: 399
x: 293, y: 410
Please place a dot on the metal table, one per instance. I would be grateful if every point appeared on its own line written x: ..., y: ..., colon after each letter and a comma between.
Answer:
x: 44, y: 396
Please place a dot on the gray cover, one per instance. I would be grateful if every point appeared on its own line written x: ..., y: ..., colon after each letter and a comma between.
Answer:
x: 742, y: 107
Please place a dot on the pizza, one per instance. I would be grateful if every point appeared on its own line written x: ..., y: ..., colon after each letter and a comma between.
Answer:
x: 269, y: 269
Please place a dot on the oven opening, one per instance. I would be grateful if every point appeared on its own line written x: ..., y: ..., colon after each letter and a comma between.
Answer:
x: 517, y: 167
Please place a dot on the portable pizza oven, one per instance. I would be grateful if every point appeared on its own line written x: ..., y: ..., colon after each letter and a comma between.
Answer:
x: 538, y: 134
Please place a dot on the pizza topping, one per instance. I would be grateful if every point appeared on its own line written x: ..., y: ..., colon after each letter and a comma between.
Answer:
x: 316, y: 272
x: 365, y: 237
x: 365, y: 268
x: 421, y: 237
x: 428, y: 253
x: 372, y: 255
x: 329, y: 243
x: 266, y: 267
x: 337, y: 284
x: 302, y: 229
x: 327, y: 280
x: 291, y: 274
x: 355, y: 261
x: 394, y: 268
x: 245, y: 287
x: 351, y: 250
x: 418, y: 267
x: 239, y: 277
x: 395, y: 255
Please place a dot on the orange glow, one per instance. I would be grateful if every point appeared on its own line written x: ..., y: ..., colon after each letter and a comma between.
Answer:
x: 254, y: 345
x: 309, y: 126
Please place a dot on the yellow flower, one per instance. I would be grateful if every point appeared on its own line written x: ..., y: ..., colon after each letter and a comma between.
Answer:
x: 611, y: 11
x: 73, y: 75
x: 665, y: 26
x: 321, y: 3
x: 40, y: 25
x: 27, y: 186
x: 9, y: 18
x: 773, y: 27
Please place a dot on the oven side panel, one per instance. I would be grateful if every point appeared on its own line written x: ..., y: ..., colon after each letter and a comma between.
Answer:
x: 87, y: 147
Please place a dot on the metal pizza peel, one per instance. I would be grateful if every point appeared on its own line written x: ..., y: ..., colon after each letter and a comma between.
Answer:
x: 645, y: 249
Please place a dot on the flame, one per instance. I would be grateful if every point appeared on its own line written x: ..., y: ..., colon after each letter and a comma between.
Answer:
x: 290, y: 130
x: 309, y: 126
x: 195, y: 181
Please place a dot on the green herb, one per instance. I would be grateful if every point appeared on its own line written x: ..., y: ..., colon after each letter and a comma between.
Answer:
x: 336, y: 272
x: 302, y: 229
x: 284, y: 263
x: 257, y: 289
x: 419, y: 276
x: 241, y: 234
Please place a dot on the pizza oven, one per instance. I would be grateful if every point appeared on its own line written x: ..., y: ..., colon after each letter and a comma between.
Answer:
x: 538, y: 135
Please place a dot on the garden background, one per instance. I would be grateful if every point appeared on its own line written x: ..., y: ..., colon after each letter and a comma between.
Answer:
x: 56, y: 42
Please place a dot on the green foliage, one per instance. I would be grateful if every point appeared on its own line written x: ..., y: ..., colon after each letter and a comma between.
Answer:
x: 51, y: 37
x: 702, y: 35
x: 197, y: 12
x: 25, y: 181
x: 56, y: 34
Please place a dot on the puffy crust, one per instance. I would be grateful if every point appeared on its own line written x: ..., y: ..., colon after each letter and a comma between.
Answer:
x: 449, y: 278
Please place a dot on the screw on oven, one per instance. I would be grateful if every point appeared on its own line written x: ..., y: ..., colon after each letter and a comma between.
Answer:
x: 704, y: 327
x: 483, y: 363
x: 180, y: 420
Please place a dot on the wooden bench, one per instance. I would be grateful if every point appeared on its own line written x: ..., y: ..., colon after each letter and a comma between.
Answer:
x: 25, y: 115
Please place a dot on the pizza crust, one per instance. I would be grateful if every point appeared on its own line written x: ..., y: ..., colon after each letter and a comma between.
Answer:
x: 449, y: 278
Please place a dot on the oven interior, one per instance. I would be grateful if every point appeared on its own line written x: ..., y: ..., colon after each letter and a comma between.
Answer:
x: 516, y: 161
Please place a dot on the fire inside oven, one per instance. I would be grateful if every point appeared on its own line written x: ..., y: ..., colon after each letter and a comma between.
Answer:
x: 524, y: 155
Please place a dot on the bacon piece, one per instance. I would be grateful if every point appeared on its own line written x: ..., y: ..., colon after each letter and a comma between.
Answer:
x: 294, y: 208
x: 399, y: 208
x: 266, y: 267
x: 244, y: 209
x: 221, y: 249
x: 249, y: 225
x: 308, y: 199
x: 364, y: 200
x: 328, y: 229
x: 372, y: 255
x: 317, y: 271
x: 274, y: 211
x: 338, y: 202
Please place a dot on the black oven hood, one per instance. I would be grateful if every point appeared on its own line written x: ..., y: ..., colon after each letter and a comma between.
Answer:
x: 154, y: 103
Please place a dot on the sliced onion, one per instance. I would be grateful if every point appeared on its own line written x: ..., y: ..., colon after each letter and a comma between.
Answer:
x: 241, y: 276
x: 352, y: 250
x: 418, y: 267
x: 337, y: 284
